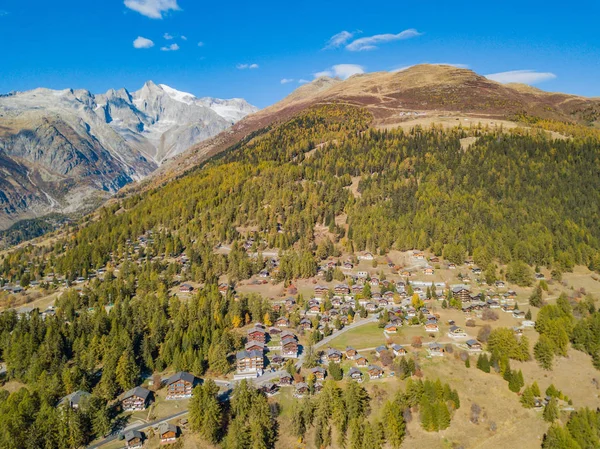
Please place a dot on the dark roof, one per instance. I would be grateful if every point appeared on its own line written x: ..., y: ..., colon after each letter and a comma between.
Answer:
x: 472, y: 342
x: 137, y: 391
x: 375, y: 367
x: 131, y: 434
x: 75, y: 398
x: 354, y: 370
x: 245, y: 354
x: 165, y: 427
x: 181, y: 375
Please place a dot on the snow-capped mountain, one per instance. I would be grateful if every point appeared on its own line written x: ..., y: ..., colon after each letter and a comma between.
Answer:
x: 59, y: 148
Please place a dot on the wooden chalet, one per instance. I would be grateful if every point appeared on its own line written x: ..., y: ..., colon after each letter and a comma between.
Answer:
x: 355, y: 374
x: 285, y: 379
x: 75, y: 400
x: 398, y: 350
x: 167, y: 433
x: 361, y: 360
x: 474, y: 345
x: 375, y: 372
x: 180, y: 385
x: 334, y: 355
x: 289, y: 347
x: 319, y: 372
x: 255, y: 346
x: 134, y: 439
x: 351, y: 353
x: 136, y: 399
x: 391, y: 328
x: 282, y: 322
x: 301, y: 390
x: 257, y: 334
x: 249, y: 362
x: 341, y: 289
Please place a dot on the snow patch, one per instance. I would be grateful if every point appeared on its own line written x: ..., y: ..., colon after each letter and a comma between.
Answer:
x: 177, y: 95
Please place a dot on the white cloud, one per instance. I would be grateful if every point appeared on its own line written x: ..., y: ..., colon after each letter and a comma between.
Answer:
x: 183, y: 38
x: 172, y: 47
x: 452, y: 64
x: 200, y: 44
x: 369, y: 43
x: 342, y: 71
x: 247, y: 66
x: 153, y: 9
x: 142, y: 42
x: 521, y: 76
x: 303, y: 81
x: 286, y: 80
x: 337, y: 40
x: 167, y: 36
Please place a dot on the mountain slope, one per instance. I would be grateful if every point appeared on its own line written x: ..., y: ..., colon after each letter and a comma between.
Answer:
x: 395, y: 97
x: 64, y: 151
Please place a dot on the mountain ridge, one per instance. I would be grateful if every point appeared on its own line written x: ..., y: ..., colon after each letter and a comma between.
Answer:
x: 394, y: 98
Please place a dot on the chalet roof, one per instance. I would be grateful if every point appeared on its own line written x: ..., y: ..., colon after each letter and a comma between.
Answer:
x: 139, y: 392
x: 75, y: 398
x: 374, y: 368
x: 248, y: 354
x: 332, y: 351
x: 165, y: 427
x: 435, y: 345
x: 132, y: 434
x: 318, y: 369
x: 380, y: 348
x: 472, y: 342
x: 354, y: 370
x: 301, y: 385
x: 454, y: 328
x: 181, y: 375
x: 287, y: 340
x: 397, y: 347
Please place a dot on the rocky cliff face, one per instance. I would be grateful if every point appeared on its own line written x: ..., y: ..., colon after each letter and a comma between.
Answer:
x: 64, y: 151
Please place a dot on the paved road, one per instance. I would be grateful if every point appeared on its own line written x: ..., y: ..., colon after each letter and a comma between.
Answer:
x: 228, y: 385
x: 139, y: 427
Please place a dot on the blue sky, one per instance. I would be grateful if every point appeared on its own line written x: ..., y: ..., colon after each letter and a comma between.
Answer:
x: 249, y: 48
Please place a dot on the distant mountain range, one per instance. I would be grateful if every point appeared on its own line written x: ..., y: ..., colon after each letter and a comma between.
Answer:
x: 66, y: 151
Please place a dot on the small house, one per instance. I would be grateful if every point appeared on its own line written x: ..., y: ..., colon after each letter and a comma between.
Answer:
x: 361, y: 360
x: 355, y: 374
x: 134, y: 439
x: 375, y: 372
x: 474, y: 345
x: 167, y: 433
x: 319, y: 372
x: 285, y: 379
x: 398, y: 350
x: 301, y: 390
x: 351, y: 353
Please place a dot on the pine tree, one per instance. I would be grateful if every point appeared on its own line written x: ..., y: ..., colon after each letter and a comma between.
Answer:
x: 551, y: 410
x: 443, y: 416
x: 393, y: 424
x: 127, y: 371
x: 544, y: 352
x: 483, y: 363
x: 528, y: 398
x: 336, y: 371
